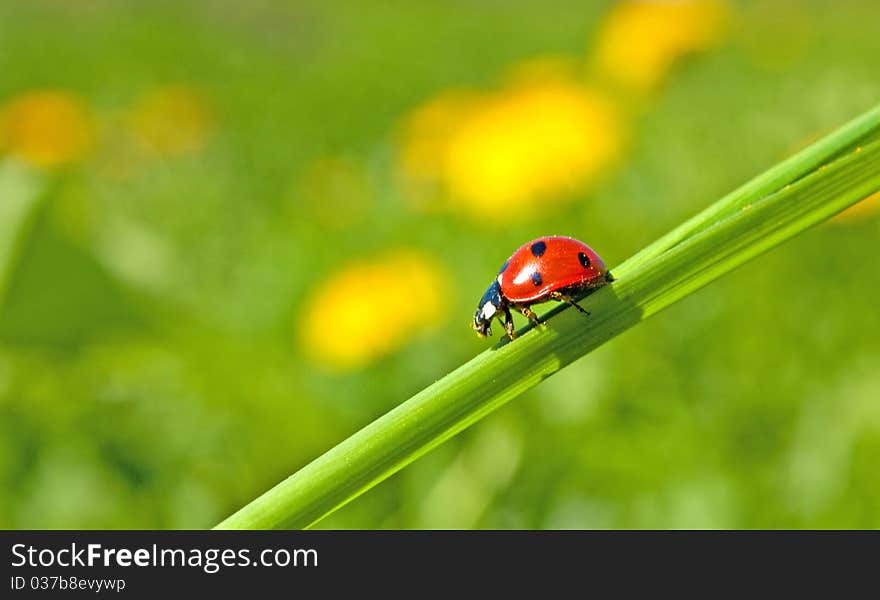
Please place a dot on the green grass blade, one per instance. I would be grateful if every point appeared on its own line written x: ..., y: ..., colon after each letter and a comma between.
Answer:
x: 815, y: 184
x: 20, y: 194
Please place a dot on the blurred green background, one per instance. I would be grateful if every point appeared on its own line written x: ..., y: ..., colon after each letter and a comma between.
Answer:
x: 231, y: 234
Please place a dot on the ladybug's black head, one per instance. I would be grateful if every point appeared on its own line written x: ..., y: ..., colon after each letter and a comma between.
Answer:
x: 487, y: 309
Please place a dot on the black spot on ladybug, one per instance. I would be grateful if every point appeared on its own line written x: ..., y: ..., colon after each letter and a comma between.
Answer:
x: 538, y: 249
x: 536, y: 277
x: 585, y: 260
x: 504, y: 266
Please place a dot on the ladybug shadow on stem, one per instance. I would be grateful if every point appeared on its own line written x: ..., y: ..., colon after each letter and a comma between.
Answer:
x: 571, y: 298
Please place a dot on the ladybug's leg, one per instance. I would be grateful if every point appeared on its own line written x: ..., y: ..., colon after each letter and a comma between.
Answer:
x: 530, y: 315
x: 560, y: 297
x: 508, y: 323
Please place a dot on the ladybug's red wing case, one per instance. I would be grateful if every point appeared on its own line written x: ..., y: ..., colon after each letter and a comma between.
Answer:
x: 550, y: 264
x: 548, y: 268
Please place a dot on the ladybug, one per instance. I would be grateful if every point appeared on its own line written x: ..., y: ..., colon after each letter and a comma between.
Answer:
x: 549, y: 268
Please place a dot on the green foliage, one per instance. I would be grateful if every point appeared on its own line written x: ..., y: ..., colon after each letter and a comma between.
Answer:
x: 150, y: 370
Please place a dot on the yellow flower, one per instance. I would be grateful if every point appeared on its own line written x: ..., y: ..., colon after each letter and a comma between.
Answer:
x: 507, y: 154
x: 641, y: 40
x: 427, y: 130
x: 172, y: 121
x: 534, y: 142
x: 46, y: 128
x: 371, y: 308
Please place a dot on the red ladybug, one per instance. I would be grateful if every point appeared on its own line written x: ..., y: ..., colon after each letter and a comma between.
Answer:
x: 549, y: 268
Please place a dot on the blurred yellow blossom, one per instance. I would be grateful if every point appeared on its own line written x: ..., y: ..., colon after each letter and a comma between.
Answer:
x: 533, y: 142
x: 372, y: 307
x: 512, y: 152
x: 640, y: 40
x: 172, y: 121
x: 427, y: 130
x: 46, y: 128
